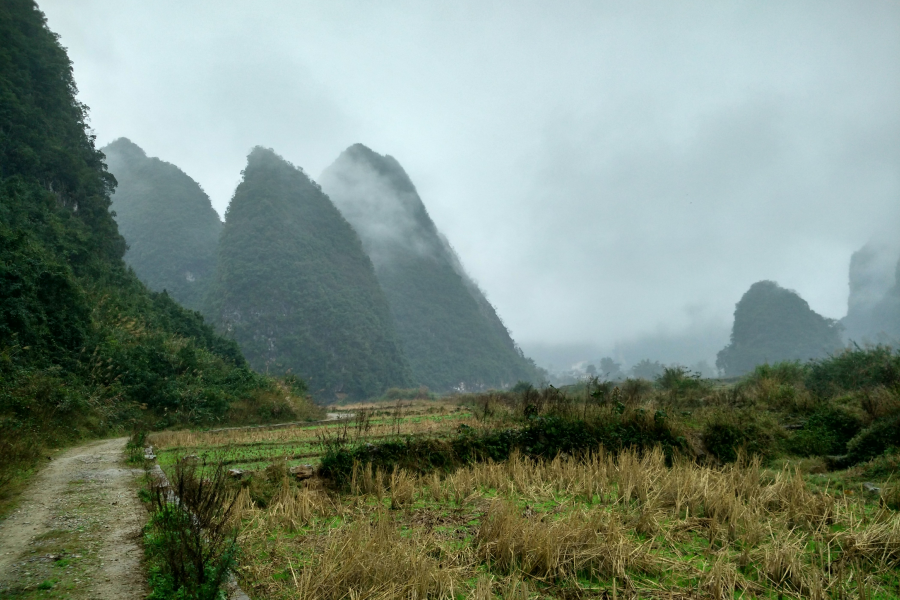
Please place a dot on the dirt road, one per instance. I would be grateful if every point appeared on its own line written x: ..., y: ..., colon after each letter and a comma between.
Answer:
x: 76, y: 532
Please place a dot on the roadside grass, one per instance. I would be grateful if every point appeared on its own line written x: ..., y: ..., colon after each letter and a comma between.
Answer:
x: 14, y: 484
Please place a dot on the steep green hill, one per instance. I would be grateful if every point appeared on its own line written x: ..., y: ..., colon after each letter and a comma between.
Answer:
x: 170, y: 226
x: 85, y: 348
x: 295, y: 289
x: 772, y: 324
x: 450, y: 333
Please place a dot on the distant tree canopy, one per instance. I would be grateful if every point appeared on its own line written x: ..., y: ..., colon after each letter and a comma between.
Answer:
x: 647, y: 369
x: 296, y: 290
x: 83, y: 344
x: 170, y: 225
x: 772, y: 324
x: 610, y: 369
x: 449, y: 331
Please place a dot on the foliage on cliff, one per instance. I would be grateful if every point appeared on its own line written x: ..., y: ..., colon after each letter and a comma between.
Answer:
x: 166, y: 218
x: 771, y: 325
x: 295, y: 289
x: 85, y: 348
x: 449, y: 331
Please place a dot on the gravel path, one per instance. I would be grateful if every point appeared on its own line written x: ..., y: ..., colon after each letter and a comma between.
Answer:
x: 76, y: 532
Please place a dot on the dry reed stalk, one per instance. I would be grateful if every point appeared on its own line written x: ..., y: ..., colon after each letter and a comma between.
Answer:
x: 781, y: 562
x: 876, y: 544
x: 402, y: 489
x: 515, y: 589
x: 435, y: 488
x: 736, y: 503
x: 462, y: 485
x: 722, y: 579
x: 294, y: 508
x: 167, y: 440
x: 789, y: 494
x: 373, y: 560
x: 482, y: 590
x: 242, y: 506
x: 581, y: 541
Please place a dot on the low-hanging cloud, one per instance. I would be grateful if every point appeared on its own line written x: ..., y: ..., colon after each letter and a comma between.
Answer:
x: 602, y: 169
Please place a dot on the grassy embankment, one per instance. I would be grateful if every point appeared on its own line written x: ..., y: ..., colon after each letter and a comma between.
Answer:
x: 755, y: 489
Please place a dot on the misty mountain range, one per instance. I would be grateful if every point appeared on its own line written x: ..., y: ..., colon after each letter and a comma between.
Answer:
x: 352, y: 287
x: 771, y: 324
x: 355, y: 291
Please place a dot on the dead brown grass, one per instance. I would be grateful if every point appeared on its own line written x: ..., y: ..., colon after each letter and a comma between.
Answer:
x: 526, y: 527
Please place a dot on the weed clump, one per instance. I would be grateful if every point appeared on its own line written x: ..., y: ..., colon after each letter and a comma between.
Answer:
x: 728, y: 432
x: 826, y: 431
x: 854, y: 370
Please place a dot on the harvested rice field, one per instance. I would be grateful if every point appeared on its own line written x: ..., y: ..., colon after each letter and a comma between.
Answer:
x: 604, y: 526
x: 254, y: 448
x: 598, y: 525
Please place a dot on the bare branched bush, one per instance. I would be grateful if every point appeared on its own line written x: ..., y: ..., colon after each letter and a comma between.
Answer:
x: 192, y: 534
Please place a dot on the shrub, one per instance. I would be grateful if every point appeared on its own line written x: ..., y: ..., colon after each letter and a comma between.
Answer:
x: 854, y: 370
x: 789, y: 372
x: 682, y: 384
x: 890, y: 497
x: 874, y: 440
x: 879, y: 402
x: 634, y: 390
x: 190, y: 540
x: 827, y: 431
x: 135, y: 447
x: 542, y: 437
x: 880, y: 468
x: 521, y: 386
x: 727, y: 432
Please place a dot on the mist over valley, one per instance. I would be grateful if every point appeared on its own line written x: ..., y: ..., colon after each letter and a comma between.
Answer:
x: 468, y: 300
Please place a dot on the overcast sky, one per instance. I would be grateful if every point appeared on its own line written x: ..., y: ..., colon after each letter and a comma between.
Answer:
x: 607, y: 171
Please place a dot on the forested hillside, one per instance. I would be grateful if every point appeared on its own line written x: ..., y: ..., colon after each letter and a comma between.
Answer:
x: 772, y: 324
x: 166, y: 218
x: 85, y: 348
x: 295, y: 289
x: 450, y: 333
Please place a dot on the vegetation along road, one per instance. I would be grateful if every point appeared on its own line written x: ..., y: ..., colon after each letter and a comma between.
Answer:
x: 77, y: 529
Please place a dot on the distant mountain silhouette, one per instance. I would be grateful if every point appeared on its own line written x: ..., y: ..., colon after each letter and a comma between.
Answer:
x: 451, y: 334
x: 772, y: 324
x: 170, y: 226
x: 873, y: 307
x: 296, y: 290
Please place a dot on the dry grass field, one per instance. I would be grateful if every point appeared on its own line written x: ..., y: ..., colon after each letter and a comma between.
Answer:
x: 781, y: 485
x: 596, y: 526
x: 599, y: 527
